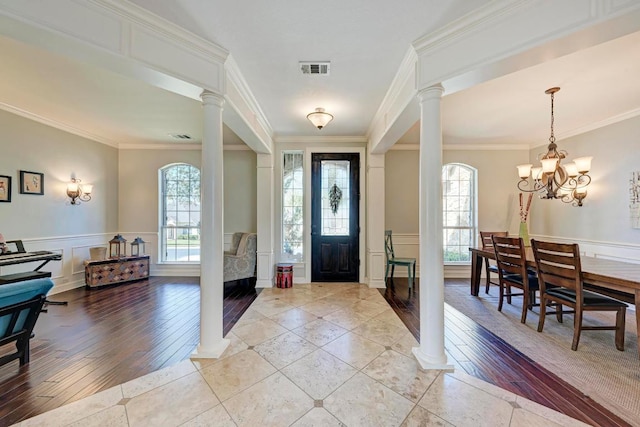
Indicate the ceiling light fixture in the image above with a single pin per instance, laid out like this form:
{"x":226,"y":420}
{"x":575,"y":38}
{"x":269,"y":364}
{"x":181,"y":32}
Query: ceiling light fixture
{"x":319,"y":118}
{"x":552,"y":179}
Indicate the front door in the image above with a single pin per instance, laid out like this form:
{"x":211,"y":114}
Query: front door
{"x":335,"y":224}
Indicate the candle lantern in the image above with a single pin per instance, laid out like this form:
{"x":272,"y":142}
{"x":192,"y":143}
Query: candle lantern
{"x":117,"y":247}
{"x":137,"y":247}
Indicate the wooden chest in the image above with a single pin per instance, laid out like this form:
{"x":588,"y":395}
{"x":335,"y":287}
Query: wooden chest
{"x":115,"y":271}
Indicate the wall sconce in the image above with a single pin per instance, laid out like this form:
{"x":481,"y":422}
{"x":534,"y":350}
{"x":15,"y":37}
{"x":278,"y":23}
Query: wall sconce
{"x":117,"y":247}
{"x":78,"y":192}
{"x":137,"y":247}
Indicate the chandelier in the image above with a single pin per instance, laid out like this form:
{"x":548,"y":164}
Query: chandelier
{"x":552,"y":179}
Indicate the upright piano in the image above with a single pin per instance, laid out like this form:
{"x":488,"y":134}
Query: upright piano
{"x":17,"y":255}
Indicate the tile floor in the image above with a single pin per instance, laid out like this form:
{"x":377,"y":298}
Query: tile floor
{"x":312,"y":355}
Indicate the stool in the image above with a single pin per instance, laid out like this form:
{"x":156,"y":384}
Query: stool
{"x":284,"y":275}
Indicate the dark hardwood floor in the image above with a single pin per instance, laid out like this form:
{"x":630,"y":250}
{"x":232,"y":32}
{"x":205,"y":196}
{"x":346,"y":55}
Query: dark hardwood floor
{"x":105,"y":337}
{"x":108,"y":336}
{"x":486,"y":356}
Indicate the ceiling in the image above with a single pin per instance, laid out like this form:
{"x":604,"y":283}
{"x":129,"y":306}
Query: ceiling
{"x":365,"y":41}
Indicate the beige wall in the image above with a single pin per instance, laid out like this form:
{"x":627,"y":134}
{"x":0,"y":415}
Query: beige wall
{"x":497,"y":180}
{"x":497,"y":192}
{"x":401,"y":179}
{"x":139,"y":198}
{"x":605,"y":214}
{"x":240,"y":191}
{"x":28,"y":145}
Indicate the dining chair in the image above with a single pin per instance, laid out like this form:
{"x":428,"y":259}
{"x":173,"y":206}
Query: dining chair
{"x":511,"y":261}
{"x":561,"y":282}
{"x":487,"y":243}
{"x":392,"y":261}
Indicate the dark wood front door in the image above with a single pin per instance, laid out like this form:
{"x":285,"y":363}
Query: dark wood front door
{"x":335,"y":224}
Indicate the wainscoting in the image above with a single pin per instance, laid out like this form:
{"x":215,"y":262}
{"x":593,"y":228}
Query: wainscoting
{"x":69,"y":272}
{"x":408,"y":246}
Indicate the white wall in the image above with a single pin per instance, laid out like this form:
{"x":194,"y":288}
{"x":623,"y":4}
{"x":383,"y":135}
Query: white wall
{"x":50,"y":222}
{"x":603,"y":223}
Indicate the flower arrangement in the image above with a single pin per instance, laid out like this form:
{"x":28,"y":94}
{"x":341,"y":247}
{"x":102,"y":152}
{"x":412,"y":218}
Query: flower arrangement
{"x":524,"y":214}
{"x":524,"y":211}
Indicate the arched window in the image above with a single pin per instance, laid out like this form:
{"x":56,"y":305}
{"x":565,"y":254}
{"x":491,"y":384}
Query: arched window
{"x":459,"y":211}
{"x":180,"y":213}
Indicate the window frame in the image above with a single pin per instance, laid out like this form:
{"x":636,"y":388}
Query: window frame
{"x":162,"y":217}
{"x":473,"y":204}
{"x":285,"y":256}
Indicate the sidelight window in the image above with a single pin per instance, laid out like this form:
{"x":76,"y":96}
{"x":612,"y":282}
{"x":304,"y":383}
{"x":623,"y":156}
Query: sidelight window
{"x":292,"y":205}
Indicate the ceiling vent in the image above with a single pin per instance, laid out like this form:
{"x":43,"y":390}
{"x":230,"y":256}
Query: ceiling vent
{"x":315,"y":68}
{"x":181,"y":136}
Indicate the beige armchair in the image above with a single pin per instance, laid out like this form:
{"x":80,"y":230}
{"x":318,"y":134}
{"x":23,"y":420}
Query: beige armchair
{"x":240,"y":259}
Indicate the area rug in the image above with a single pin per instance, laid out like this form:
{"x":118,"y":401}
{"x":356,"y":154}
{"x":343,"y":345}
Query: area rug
{"x":608,"y":376}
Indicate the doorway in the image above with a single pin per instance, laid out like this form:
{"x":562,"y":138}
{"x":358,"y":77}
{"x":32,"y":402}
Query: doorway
{"x":335,"y":217}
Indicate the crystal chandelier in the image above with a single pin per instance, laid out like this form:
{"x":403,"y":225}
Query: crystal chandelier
{"x":552,"y":179}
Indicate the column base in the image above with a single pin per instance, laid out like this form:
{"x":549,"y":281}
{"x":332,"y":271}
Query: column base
{"x":377,"y":284}
{"x":260,"y":283}
{"x":211,"y":353}
{"x":429,"y":364}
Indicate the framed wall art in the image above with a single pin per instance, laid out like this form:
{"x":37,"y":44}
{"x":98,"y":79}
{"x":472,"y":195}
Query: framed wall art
{"x":31,"y":183}
{"x":5,"y":189}
{"x":634,"y":199}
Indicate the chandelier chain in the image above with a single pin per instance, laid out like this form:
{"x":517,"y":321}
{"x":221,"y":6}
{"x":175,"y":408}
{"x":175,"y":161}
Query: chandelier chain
{"x":552,"y":138}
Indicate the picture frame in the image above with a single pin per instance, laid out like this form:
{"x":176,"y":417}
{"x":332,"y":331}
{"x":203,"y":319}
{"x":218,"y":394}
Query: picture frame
{"x":5,"y":189}
{"x":31,"y":183}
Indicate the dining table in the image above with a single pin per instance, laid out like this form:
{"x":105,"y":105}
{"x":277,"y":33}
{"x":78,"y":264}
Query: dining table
{"x":616,"y":279}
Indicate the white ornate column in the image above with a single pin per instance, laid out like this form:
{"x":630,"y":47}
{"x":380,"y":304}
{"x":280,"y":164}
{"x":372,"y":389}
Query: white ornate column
{"x":212,"y":343}
{"x":431,"y":353}
{"x":265,"y":219}
{"x":376,"y":260}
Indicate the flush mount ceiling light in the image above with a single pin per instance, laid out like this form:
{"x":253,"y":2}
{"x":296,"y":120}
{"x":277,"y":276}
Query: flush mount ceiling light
{"x":553,"y":180}
{"x":319,"y":118}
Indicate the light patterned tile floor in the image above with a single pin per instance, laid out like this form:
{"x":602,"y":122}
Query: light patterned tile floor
{"x":339,"y":358}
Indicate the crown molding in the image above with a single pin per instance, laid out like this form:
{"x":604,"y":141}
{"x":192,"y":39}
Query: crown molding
{"x":466,"y":24}
{"x":406,"y":71}
{"x":466,"y":147}
{"x":179,"y":146}
{"x":236,"y":147}
{"x":234,"y":75}
{"x":321,"y":139}
{"x":58,"y":125}
{"x":146,"y":19}
{"x":160,"y":146}
{"x":486,"y":147}
{"x":597,"y":125}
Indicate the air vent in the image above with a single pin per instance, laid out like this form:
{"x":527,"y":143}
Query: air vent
{"x":315,"y":68}
{"x":180,"y":136}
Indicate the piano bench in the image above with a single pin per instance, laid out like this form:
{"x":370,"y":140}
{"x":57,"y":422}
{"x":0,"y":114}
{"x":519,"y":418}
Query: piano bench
{"x":20,"y":305}
{"x":20,"y":277}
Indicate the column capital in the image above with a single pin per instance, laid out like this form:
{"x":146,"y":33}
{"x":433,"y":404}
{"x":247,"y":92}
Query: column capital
{"x":431,"y":92}
{"x":212,"y":98}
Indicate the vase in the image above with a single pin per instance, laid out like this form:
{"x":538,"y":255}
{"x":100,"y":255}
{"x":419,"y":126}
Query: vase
{"x":524,"y":233}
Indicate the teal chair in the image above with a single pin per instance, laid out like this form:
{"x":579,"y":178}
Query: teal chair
{"x":392,"y":261}
{"x":20,"y":306}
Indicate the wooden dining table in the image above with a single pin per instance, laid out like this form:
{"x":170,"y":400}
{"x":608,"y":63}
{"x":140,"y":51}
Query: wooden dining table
{"x":617,"y":279}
